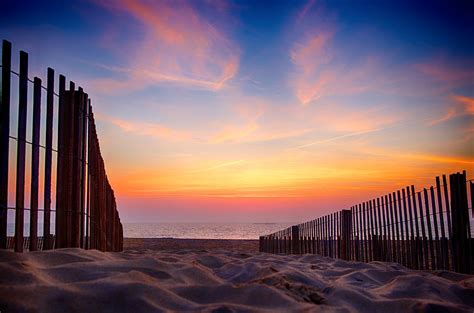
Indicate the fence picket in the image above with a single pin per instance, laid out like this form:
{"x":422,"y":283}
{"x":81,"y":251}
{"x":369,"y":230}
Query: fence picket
{"x":4,"y":139}
{"x":33,"y":244}
{"x":47,"y":240}
{"x":72,"y":183}
{"x":21,"y":147}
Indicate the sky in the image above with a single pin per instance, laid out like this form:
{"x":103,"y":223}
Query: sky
{"x":261,"y":111}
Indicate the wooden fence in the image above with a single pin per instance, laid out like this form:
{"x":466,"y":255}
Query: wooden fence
{"x":428,"y":229}
{"x":85,"y":213}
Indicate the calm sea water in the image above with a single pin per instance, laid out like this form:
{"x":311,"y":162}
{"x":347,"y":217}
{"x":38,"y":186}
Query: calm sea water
{"x":191,"y":230}
{"x":184,"y":230}
{"x":201,"y":230}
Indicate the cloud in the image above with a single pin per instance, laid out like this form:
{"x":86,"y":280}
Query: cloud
{"x":150,"y":130}
{"x":320,"y":71}
{"x":343,"y":118}
{"x":177,"y":46}
{"x":337,"y":138}
{"x":458,"y":105}
{"x":255,"y":122}
{"x":446,"y":75}
{"x":305,"y":10}
{"x":311,"y":80}
{"x":226,"y":164}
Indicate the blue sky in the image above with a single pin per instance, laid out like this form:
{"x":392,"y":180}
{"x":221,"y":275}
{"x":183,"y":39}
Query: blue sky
{"x":207,"y":109}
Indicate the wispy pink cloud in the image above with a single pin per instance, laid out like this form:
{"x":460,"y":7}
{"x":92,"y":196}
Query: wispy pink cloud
{"x":447,"y":74}
{"x":457,"y":105}
{"x":339,"y":118}
{"x":305,"y":10}
{"x":327,"y":140}
{"x":311,"y":80}
{"x":150,"y":130}
{"x":318,"y":72}
{"x":179,"y":46}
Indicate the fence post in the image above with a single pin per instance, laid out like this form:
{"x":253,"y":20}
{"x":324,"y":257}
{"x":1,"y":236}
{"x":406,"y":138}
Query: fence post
{"x":48,"y":161}
{"x":35,"y":165}
{"x":20,"y":165}
{"x":295,"y":239}
{"x":346,"y":230}
{"x":460,"y":218}
{"x":4,"y":139}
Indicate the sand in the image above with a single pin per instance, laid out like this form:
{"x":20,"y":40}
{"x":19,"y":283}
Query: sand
{"x":208,"y":277}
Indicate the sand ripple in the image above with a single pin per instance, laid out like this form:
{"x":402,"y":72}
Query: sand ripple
{"x":73,"y":280}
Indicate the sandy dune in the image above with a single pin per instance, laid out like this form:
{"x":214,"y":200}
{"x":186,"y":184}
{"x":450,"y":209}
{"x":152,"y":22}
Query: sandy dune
{"x":190,"y":280}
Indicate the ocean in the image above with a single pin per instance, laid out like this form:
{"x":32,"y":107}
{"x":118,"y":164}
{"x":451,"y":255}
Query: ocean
{"x":184,"y":230}
{"x":201,"y":230}
{"x":191,"y":230}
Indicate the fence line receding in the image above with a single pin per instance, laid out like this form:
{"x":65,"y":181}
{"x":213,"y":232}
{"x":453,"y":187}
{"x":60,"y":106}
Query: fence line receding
{"x":427,"y":230}
{"x":82,"y":205}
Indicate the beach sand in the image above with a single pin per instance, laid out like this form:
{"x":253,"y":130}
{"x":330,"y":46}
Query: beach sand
{"x":155,"y":275}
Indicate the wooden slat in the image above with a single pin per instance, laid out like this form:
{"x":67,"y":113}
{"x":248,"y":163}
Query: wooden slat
{"x":419,"y":255}
{"x":4,"y":139}
{"x":407,"y":242}
{"x":460,"y":217}
{"x":20,"y":169}
{"x":371,"y":230}
{"x":413,"y":250}
{"x":440,"y":207}
{"x":443,"y":239}
{"x":390,"y":227}
{"x":47,"y":242}
{"x":402,"y":232}
{"x":397,"y":229}
{"x":325,"y":235}
{"x":425,"y":263}
{"x":84,"y":137}
{"x":321,"y":235}
{"x":35,"y":164}
{"x":77,"y":116}
{"x":358,"y":232}
{"x":430,"y":233}
{"x":366,"y":225}
{"x":385,"y":230}
{"x":379,"y":230}
{"x":295,"y":244}
{"x":438,"y":259}
{"x":60,"y":183}
{"x":471,"y":184}
{"x":316,"y":236}
{"x":88,"y":181}
{"x":361,"y":232}
{"x":448,"y":218}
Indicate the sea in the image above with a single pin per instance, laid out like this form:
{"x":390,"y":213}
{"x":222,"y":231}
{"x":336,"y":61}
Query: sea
{"x":185,"y":230}
{"x":192,"y":230}
{"x":201,"y":230}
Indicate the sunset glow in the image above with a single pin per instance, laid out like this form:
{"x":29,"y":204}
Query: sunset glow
{"x":241,"y":111}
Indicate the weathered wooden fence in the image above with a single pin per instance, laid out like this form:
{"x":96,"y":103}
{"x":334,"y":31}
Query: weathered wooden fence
{"x":85,"y":213}
{"x":428,"y":229}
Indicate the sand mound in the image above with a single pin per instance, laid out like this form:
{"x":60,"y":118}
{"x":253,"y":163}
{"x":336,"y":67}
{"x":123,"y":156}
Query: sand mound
{"x":74,"y":280}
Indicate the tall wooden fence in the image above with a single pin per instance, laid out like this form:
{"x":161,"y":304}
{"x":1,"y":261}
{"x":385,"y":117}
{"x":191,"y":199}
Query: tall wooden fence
{"x":428,"y":229}
{"x":85,"y":213}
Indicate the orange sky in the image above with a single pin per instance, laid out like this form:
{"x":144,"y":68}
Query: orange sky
{"x":250,"y":111}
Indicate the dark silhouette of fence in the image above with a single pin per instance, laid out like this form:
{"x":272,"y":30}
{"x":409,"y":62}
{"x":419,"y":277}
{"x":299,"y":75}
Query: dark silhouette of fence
{"x":85,"y":211}
{"x":428,"y":230}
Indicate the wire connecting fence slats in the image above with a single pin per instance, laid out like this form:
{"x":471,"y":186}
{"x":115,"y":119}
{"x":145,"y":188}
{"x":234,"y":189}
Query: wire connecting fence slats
{"x":426,"y":230}
{"x":85,"y":212}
